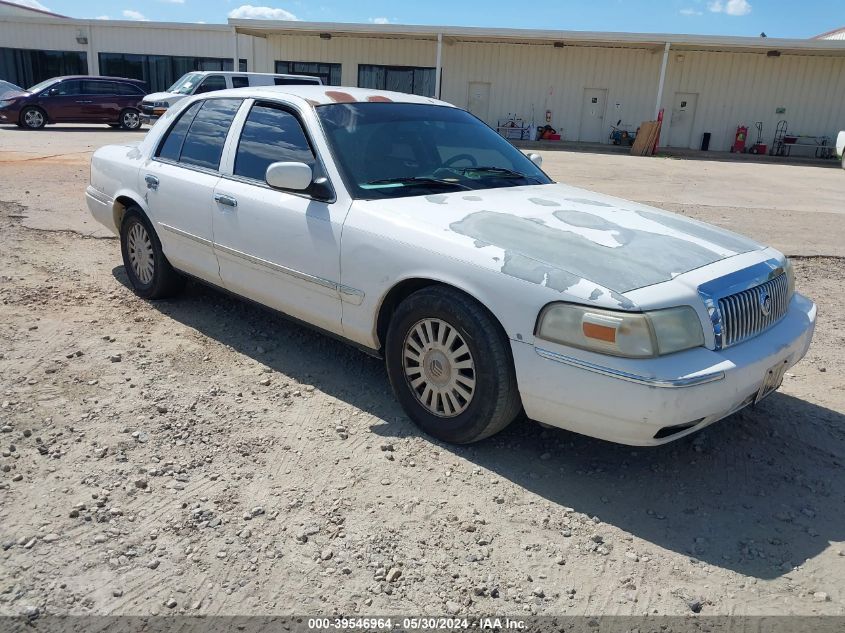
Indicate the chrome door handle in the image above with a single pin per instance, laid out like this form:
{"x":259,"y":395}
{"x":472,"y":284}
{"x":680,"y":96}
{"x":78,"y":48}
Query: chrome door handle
{"x":152,"y":182}
{"x":228,"y":201}
{"x":85,"y":102}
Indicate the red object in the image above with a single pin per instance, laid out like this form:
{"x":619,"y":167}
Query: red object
{"x":759,"y":148}
{"x":740,"y":138}
{"x":554,"y":137}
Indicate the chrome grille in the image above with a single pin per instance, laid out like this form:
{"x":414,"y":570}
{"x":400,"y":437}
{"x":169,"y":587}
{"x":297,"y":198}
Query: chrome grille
{"x":743,"y":313}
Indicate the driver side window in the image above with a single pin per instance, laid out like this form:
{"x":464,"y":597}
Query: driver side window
{"x":270,"y":135}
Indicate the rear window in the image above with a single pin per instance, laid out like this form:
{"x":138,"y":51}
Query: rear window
{"x":203,"y":144}
{"x":172,"y":145}
{"x":240,"y":82}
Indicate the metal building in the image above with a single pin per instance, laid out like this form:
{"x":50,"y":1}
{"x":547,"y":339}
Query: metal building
{"x":580,"y":82}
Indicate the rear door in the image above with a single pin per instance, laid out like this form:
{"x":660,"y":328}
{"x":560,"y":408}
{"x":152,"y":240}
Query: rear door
{"x":100,"y":101}
{"x":179,"y":182}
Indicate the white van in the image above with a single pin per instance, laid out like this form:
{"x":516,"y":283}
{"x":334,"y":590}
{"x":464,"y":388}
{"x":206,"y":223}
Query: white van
{"x":197,"y":82}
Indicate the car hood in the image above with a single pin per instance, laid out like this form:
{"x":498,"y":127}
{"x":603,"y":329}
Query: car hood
{"x":163,"y":96}
{"x":14,"y":94}
{"x":559,"y":236}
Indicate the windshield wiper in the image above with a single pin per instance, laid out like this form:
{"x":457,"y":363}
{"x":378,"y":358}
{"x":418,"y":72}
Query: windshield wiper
{"x":418,"y":180}
{"x":499,"y":171}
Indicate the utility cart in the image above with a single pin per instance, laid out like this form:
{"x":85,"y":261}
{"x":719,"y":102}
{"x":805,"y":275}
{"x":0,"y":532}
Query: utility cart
{"x":783,"y":142}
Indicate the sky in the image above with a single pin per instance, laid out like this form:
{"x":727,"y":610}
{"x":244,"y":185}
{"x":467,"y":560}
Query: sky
{"x":777,"y":18}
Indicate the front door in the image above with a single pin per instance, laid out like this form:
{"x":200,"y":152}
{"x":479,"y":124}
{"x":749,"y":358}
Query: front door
{"x":64,"y":101}
{"x":683,"y":117}
{"x":179,"y":183}
{"x":592,"y":116}
{"x":279,"y":248}
{"x":478,"y":99}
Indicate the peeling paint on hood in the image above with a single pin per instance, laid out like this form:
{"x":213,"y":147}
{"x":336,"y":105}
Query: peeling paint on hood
{"x":561,"y":237}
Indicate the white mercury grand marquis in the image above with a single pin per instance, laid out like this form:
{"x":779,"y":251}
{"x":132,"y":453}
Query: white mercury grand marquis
{"x":409,"y":228}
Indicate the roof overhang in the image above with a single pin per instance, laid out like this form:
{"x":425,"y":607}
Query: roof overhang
{"x":263,"y":28}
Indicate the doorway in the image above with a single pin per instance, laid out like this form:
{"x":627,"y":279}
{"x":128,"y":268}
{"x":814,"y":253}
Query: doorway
{"x":683,"y":117}
{"x":592,"y":115}
{"x":478,"y":99}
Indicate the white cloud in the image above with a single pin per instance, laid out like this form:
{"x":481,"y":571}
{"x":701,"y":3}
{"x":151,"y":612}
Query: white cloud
{"x":130,"y":14}
{"x":690,"y":12}
{"x":32,"y":4}
{"x":249,"y":12}
{"x":730,"y":7}
{"x":380,"y":20}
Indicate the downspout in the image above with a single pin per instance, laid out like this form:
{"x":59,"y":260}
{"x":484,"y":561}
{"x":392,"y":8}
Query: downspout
{"x":662,"y":80}
{"x":235,"y":61}
{"x":438,"y":65}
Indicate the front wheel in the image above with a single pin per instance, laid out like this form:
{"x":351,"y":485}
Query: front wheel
{"x":130,"y":119}
{"x":149,"y":272}
{"x":450,"y":366}
{"x":33,"y":118}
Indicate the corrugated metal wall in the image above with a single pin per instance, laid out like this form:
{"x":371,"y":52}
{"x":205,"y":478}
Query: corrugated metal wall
{"x":741,"y":88}
{"x":527,"y":80}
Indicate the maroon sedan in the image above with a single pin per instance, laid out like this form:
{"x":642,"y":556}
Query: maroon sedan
{"x":111,"y":100}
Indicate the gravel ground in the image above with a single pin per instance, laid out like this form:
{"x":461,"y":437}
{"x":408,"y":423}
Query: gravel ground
{"x":205,"y":456}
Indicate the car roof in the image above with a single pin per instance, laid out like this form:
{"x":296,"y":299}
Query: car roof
{"x":228,"y":73}
{"x":325,"y":95}
{"x":100,"y":78}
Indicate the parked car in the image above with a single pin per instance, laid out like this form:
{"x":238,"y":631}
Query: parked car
{"x":411,"y":229}
{"x":77,"y":99}
{"x":200,"y":82}
{"x":840,"y":147}
{"x":7,"y":86}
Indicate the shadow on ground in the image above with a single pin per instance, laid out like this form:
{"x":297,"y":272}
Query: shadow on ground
{"x":758,"y":493}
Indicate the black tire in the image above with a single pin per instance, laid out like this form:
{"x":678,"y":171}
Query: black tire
{"x":114,"y":126}
{"x":162,"y":281}
{"x":33,"y":118}
{"x":130,"y":119}
{"x":495,"y":402}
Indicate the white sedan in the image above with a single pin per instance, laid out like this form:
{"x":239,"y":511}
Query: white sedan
{"x":409,"y":228}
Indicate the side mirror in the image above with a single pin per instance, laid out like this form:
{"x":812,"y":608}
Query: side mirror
{"x":53,"y":92}
{"x":535,"y":158}
{"x":293,"y":176}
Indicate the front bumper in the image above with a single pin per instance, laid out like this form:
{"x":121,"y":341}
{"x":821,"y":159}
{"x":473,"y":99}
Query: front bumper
{"x":150,"y":113}
{"x":9,"y":115}
{"x":630,"y":401}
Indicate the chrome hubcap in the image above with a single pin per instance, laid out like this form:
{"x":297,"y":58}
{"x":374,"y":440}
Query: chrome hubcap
{"x":131,"y":119}
{"x":139,"y":247}
{"x":439,"y":367}
{"x":33,"y":118}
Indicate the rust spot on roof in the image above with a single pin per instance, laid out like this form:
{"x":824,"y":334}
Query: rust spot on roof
{"x":380,"y":99}
{"x":313,"y":102}
{"x":340,"y":97}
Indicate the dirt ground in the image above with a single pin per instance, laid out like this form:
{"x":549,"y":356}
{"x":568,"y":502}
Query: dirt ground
{"x":205,"y":456}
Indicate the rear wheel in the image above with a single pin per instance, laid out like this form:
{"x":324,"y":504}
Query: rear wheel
{"x":130,"y":119}
{"x":149,"y":272}
{"x":33,"y":118}
{"x":450,"y":366}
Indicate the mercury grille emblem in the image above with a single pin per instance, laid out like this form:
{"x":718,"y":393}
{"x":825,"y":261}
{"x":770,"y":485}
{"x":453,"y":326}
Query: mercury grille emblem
{"x":435,"y":368}
{"x":765,"y":303}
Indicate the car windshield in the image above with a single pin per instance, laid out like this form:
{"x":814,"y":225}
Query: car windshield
{"x":42,"y":85}
{"x":393,"y":150}
{"x":186,"y":84}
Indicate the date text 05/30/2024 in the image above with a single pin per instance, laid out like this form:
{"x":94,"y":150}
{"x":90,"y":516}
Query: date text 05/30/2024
{"x":415,"y":624}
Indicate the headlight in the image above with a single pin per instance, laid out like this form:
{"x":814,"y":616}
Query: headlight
{"x":790,"y":278}
{"x":628,"y":334}
{"x":6,"y":103}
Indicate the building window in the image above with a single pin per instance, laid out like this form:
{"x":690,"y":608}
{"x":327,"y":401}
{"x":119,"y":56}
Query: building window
{"x":328,"y":73}
{"x":410,"y":79}
{"x":160,"y":71}
{"x":25,"y":67}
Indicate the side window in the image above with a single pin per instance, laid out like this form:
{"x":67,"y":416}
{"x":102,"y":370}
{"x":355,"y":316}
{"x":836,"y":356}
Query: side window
{"x":294,"y":81}
{"x":240,"y":82}
{"x":211,"y":83}
{"x":204,"y":142}
{"x":270,"y":135}
{"x":99,"y":88}
{"x":172,"y":145}
{"x":67,"y":88}
{"x":129,"y":90}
